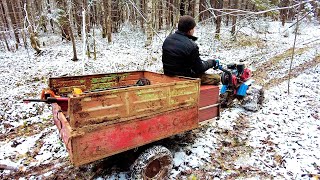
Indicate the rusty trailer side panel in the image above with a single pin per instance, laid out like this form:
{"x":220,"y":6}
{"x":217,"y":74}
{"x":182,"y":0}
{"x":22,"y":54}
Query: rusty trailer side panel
{"x":90,"y":145}
{"x":123,"y":104}
{"x":130,"y":103}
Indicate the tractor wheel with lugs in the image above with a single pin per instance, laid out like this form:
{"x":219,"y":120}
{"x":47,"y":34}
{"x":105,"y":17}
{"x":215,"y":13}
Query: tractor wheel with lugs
{"x":154,"y":163}
{"x":254,"y":99}
{"x":226,"y":99}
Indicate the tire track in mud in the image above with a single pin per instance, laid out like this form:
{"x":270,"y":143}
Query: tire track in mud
{"x":261,"y":73}
{"x":294,"y":72}
{"x":225,"y":161}
{"x":232,"y":144}
{"x":231,"y":151}
{"x":234,"y":149}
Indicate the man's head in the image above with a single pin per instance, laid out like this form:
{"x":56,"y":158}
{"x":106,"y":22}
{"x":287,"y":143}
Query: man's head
{"x":186,"y":24}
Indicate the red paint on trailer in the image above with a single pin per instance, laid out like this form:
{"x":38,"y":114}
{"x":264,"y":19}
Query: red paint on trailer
{"x":112,"y":139}
{"x":209,"y":102}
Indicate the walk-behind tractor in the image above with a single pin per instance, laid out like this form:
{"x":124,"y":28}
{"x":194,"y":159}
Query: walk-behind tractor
{"x":237,"y":84}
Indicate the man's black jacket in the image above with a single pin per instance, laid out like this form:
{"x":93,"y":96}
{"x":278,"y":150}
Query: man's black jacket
{"x":180,"y":56}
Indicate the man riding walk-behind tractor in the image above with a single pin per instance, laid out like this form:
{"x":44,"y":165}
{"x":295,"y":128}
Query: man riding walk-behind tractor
{"x":181,"y":58}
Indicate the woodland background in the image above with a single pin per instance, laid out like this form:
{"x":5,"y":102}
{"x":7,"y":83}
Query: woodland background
{"x":23,"y":21}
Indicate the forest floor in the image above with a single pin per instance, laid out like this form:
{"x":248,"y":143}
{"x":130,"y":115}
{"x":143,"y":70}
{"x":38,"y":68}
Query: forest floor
{"x":280,"y":141}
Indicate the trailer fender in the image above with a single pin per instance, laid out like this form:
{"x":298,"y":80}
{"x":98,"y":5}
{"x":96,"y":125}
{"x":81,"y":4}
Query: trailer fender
{"x":242,"y":91}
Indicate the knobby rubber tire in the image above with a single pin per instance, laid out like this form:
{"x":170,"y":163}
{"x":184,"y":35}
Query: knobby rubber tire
{"x":158,"y":156}
{"x":254,"y":99}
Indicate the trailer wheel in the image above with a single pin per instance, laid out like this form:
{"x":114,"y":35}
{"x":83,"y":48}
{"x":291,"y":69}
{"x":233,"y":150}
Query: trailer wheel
{"x":154,"y":163}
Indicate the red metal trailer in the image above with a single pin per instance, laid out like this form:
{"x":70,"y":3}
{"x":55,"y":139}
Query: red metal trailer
{"x":113,"y":115}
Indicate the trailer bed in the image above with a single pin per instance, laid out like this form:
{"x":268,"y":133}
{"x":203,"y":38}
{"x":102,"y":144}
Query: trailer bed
{"x":107,"y":120}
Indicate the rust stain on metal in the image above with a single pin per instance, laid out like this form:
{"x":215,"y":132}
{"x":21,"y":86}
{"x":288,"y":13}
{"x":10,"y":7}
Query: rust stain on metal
{"x":76,"y":106}
{"x":84,"y":115}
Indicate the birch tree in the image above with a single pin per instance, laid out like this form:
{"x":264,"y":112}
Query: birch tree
{"x":10,"y":11}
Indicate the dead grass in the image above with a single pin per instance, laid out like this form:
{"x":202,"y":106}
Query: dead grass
{"x":244,"y":41}
{"x":234,"y":146}
{"x":260,"y":75}
{"x":294,"y":73}
{"x":26,"y":129}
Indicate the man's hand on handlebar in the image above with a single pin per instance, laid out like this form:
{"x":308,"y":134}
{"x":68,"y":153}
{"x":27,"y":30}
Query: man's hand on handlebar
{"x":217,"y":64}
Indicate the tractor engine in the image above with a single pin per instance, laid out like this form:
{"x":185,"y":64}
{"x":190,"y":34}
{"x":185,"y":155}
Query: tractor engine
{"x":236,"y":76}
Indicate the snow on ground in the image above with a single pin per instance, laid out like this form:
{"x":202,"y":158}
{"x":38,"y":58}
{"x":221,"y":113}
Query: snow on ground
{"x":279,"y":141}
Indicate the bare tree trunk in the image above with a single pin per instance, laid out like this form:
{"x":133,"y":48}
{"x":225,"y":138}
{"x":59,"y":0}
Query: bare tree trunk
{"x":176,"y":12}
{"x":234,"y":18}
{"x":74,"y":49}
{"x":137,"y":15}
{"x":164,"y":12}
{"x":153,"y":13}
{"x":5,"y":41}
{"x":139,"y":18}
{"x":94,"y":44}
{"x":24,"y":38}
{"x":10,"y":10}
{"x":104,"y":19}
{"x":184,"y":7}
{"x":18,"y":6}
{"x":155,"y":19}
{"x":143,"y":10}
{"x":149,"y":22}
{"x":75,"y":58}
{"x":109,"y":21}
{"x":228,"y":16}
{"x":284,"y":12}
{"x":70,"y":13}
{"x":196,"y":10}
{"x":169,"y":17}
{"x":159,"y":14}
{"x":77,"y":12}
{"x":218,"y":5}
{"x":3,"y":17}
{"x":30,"y":12}
{"x":49,"y":12}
